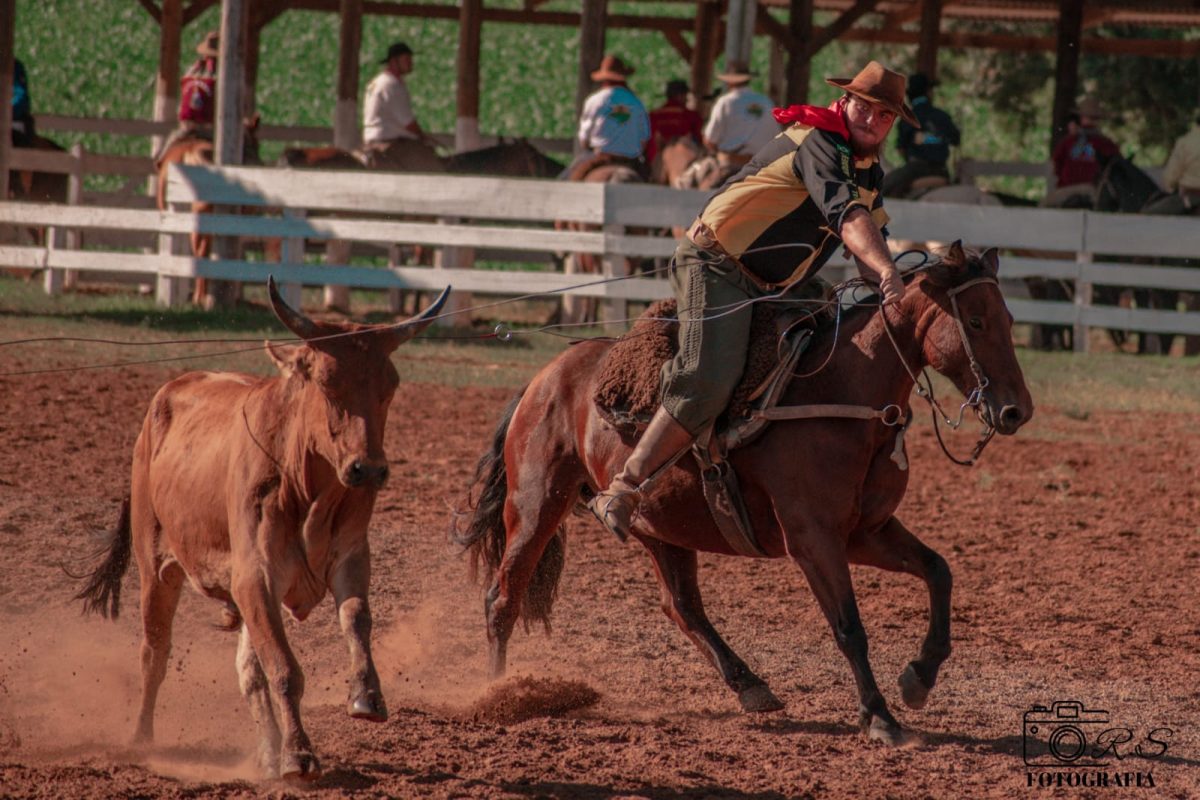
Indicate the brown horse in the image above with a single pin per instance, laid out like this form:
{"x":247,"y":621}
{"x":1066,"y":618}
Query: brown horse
{"x":822,"y":492}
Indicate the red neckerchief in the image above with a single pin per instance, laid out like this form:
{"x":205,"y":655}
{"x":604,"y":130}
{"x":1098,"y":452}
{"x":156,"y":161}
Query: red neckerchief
{"x":827,"y":119}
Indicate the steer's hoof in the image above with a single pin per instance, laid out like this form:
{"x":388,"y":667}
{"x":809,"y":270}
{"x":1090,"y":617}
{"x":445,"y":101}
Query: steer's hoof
{"x":913,"y":690}
{"x":759,"y":700}
{"x":369,"y":706}
{"x":891,"y":734}
{"x":299,"y":765}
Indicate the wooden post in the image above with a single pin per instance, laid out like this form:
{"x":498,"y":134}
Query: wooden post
{"x":613,"y":312}
{"x":74,"y":238}
{"x":1066,"y":69}
{"x":291,"y":253}
{"x":229,"y":133}
{"x":739,"y":33}
{"x":777,"y":72}
{"x":166,"y":84}
{"x":704,"y":52}
{"x":592,"y":21}
{"x":345,"y":113}
{"x":1083,"y":301}
{"x":250,"y":53}
{"x":927,"y":41}
{"x":799,"y":66}
{"x":8,"y":21}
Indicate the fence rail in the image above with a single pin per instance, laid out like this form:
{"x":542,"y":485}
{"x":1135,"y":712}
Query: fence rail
{"x":461,"y":213}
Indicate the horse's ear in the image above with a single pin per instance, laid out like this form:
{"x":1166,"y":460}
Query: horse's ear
{"x":955,"y":257}
{"x":991,"y":260}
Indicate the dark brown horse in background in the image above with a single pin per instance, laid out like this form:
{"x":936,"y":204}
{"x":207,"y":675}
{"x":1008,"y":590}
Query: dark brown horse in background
{"x":33,"y":186}
{"x":822,"y":492}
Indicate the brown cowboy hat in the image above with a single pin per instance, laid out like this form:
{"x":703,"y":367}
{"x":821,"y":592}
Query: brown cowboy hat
{"x":735,"y":73}
{"x":210,"y":45}
{"x":612,"y":68}
{"x":880,"y":85}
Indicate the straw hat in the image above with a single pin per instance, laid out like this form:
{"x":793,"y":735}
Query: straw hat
{"x":210,"y":45}
{"x":612,"y":68}
{"x":735,"y":73}
{"x":880,"y":85}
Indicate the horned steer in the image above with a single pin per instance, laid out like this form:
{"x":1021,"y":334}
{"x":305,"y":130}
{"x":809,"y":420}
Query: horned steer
{"x":258,"y":492}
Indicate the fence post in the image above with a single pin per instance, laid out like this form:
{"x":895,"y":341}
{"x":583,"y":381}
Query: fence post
{"x":1083,"y":301}
{"x":395,"y":296}
{"x":74,"y":198}
{"x":291,"y":251}
{"x":613,"y":311}
{"x":337,"y":297}
{"x":169,"y":290}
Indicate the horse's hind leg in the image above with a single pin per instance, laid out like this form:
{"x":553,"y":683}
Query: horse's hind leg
{"x":681,"y":602}
{"x":253,"y":683}
{"x":893,"y":547}
{"x":160,"y":597}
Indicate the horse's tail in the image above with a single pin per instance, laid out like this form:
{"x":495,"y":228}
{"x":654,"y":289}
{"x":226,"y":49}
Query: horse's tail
{"x":484,"y":535}
{"x":102,"y":594}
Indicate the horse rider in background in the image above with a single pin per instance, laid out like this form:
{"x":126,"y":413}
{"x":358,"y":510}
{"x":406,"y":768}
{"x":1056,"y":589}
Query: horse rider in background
{"x":613,"y":126}
{"x":22,"y":108}
{"x":197,"y":96}
{"x":811,"y":191}
{"x":673,"y":120}
{"x":740,"y":122}
{"x":1181,"y":176}
{"x":1076,"y":156}
{"x":390,"y":128}
{"x":925,"y":147}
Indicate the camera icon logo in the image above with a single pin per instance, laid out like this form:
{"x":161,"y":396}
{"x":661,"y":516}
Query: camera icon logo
{"x":1058,"y":736}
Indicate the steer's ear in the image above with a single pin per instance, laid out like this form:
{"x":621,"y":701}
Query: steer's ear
{"x":401,"y":332}
{"x":289,"y":358}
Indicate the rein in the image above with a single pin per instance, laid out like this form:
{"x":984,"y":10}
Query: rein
{"x":924,"y":385}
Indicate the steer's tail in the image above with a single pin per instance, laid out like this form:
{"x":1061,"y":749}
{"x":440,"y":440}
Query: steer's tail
{"x":485,"y":537}
{"x":102,"y":594}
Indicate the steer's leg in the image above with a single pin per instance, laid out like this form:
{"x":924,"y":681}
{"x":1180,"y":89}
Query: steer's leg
{"x":264,"y":625}
{"x":351,"y":580}
{"x":253,"y":683}
{"x":160,"y":598}
{"x":893,"y":547}
{"x":681,"y":602}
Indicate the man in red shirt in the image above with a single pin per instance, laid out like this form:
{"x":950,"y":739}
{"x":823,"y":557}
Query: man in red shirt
{"x":1076,"y":156}
{"x":197,"y":95}
{"x":672,"y":120}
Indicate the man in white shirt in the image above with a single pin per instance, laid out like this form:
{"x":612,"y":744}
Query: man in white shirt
{"x":391,"y":132}
{"x":740,"y":122}
{"x":614,"y":123}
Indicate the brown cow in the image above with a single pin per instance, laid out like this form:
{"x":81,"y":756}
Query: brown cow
{"x":257,"y":492}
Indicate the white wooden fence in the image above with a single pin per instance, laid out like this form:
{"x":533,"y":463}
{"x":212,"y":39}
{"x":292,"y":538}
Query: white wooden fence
{"x":517,"y":215}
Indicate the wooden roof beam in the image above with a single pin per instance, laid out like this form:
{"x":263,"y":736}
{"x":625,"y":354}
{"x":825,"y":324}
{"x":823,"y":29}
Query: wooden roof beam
{"x":152,"y":10}
{"x":676,"y":40}
{"x":1166,"y":48}
{"x":839,"y":26}
{"x":198,"y":7}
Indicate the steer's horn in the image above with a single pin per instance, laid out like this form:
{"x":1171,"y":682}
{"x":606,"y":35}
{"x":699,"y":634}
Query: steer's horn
{"x":403,"y":331}
{"x":293,"y":320}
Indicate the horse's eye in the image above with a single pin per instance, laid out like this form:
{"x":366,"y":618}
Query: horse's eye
{"x":976,"y":323}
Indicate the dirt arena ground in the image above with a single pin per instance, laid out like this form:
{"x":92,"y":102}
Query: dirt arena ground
{"x":1075,"y":549}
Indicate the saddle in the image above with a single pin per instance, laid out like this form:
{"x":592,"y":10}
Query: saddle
{"x":582,"y":169}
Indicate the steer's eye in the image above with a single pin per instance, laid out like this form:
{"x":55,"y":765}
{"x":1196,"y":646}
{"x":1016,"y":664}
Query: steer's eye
{"x":976,"y":323}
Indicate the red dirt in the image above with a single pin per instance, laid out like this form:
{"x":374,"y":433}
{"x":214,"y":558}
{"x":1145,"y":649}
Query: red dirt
{"x":1074,"y":546}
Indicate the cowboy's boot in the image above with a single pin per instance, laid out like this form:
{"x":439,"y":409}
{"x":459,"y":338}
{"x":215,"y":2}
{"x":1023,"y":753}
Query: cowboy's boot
{"x":663,"y":442}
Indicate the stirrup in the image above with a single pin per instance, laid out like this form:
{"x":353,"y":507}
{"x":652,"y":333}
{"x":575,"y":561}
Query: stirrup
{"x":602,"y":507}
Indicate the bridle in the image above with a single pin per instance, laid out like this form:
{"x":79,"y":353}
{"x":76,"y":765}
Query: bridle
{"x":924,"y":386}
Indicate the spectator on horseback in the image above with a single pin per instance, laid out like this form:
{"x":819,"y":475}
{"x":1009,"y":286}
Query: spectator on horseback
{"x":1181,"y":176}
{"x":388,"y":117}
{"x":1077,"y":155}
{"x":614,"y":126}
{"x":810,"y":191}
{"x":197,"y":95}
{"x":673,"y":120}
{"x":22,"y":107}
{"x":925,"y":147}
{"x":740,"y":122}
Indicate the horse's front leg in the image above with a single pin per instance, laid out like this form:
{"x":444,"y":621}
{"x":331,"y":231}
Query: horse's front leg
{"x":893,"y":547}
{"x":823,"y":559}
{"x":351,"y":580}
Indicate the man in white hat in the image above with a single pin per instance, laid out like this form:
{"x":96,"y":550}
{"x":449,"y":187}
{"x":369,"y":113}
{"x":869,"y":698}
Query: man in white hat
{"x":613,"y":125}
{"x":740,"y":122}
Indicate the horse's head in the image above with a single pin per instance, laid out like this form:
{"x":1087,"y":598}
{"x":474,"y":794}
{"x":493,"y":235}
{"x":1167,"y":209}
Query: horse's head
{"x":966,"y":334}
{"x":1121,"y":187}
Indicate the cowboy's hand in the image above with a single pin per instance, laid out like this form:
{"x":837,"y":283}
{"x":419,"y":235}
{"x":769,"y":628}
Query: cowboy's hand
{"x":891,"y":285}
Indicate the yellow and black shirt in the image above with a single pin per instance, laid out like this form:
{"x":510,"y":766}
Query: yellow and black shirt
{"x":796,"y":189}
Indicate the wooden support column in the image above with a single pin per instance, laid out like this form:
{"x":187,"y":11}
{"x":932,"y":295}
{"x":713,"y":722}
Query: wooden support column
{"x":250,"y":53}
{"x":166,"y":84}
{"x":8,"y":21}
{"x":345,"y":114}
{"x":1066,"y":69}
{"x":799,"y":65}
{"x":927,"y":44}
{"x":229,"y":133}
{"x":704,"y":51}
{"x":592,"y":21}
{"x":739,"y":34}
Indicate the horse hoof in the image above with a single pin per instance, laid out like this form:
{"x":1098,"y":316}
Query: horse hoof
{"x":891,"y":734}
{"x":299,"y":765}
{"x":913,"y":690}
{"x":369,"y":706}
{"x":759,"y":700}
